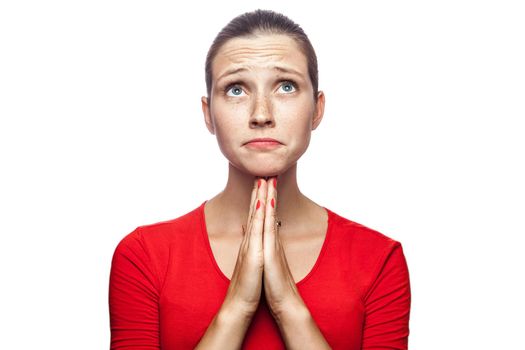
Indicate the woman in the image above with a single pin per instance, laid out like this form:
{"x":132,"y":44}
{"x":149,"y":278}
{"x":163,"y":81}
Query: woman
{"x":260,"y":265}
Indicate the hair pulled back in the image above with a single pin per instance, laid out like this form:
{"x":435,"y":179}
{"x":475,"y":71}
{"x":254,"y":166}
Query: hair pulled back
{"x":263,"y":22}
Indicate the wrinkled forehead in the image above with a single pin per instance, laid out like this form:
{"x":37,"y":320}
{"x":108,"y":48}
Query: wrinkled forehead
{"x":257,"y":53}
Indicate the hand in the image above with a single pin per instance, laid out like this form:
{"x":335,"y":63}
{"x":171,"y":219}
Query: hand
{"x":245,"y":287}
{"x":280,"y":290}
{"x":262,"y":255}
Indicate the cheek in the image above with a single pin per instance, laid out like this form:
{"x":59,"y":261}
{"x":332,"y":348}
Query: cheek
{"x":302,"y":106}
{"x":228,"y":122}
{"x":300,"y":126}
{"x":228,"y":112}
{"x":297,"y":117}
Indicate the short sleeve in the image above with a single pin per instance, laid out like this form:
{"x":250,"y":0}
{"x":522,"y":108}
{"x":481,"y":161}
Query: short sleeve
{"x":387,"y":304}
{"x":133,"y":297}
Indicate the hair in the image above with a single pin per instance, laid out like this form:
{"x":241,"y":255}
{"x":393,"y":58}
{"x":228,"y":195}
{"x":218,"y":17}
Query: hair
{"x":263,"y":22}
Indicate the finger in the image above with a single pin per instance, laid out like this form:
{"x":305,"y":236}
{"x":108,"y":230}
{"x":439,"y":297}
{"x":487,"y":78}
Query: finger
{"x":270,"y":217}
{"x":271,"y":198}
{"x":257,"y":222}
{"x":253,"y":200}
{"x":249,"y":224}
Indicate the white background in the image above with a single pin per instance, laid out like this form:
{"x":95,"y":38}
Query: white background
{"x":423,"y":139}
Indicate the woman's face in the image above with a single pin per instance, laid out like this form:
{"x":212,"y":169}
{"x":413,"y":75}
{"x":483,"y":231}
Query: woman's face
{"x":261,"y":89}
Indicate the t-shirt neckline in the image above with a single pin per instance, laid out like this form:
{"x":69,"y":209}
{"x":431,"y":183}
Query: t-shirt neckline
{"x":207,"y":243}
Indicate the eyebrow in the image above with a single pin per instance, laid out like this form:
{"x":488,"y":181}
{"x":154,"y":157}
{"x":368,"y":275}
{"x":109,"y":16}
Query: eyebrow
{"x":278,"y":68}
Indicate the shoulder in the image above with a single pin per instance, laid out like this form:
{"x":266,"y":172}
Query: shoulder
{"x":155,"y":238}
{"x":144,"y":253}
{"x":163,"y":232}
{"x":366,"y":249}
{"x":360,"y":235}
{"x":371,"y":254}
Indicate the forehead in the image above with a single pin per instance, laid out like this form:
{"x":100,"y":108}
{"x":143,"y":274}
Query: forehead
{"x":259,"y":52}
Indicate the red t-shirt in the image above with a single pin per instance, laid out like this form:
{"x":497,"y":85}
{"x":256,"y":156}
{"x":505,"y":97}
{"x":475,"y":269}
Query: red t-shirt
{"x":166,"y":287}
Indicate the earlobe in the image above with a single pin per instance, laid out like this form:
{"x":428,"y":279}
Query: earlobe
{"x":319,"y":110}
{"x":207,"y":114}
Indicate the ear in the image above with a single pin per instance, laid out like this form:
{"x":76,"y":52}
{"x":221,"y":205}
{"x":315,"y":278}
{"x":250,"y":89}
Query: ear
{"x":319,"y":110}
{"x":207,"y":114}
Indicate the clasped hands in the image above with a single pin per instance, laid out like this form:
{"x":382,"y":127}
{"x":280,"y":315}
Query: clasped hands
{"x":261,"y":263}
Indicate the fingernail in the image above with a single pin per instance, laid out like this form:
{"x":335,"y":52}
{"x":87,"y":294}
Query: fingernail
{"x":258,"y":183}
{"x":258,"y":204}
{"x":273,"y":205}
{"x":275,"y":182}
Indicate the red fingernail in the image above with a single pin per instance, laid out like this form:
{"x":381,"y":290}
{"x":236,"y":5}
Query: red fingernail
{"x":258,"y":183}
{"x":258,"y":204}
{"x":275,"y":183}
{"x":273,"y":206}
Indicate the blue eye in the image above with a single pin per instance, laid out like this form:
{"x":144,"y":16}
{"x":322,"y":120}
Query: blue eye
{"x":236,"y":90}
{"x":288,"y":86}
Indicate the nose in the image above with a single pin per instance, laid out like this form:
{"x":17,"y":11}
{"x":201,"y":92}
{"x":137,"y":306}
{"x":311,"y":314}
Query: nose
{"x":262,"y":113}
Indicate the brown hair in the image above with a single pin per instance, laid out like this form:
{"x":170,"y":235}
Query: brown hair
{"x":263,"y":21}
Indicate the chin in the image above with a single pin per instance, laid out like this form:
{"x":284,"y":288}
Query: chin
{"x":263,"y":172}
{"x":261,"y":169}
{"x":266,"y":170}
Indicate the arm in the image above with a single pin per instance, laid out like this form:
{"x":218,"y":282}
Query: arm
{"x":387,"y":305}
{"x":133,"y":297}
{"x":296,"y":325}
{"x":299,"y":330}
{"x":134,"y":305}
{"x":227,"y":329}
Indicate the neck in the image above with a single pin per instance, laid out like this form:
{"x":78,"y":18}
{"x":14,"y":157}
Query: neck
{"x":233,"y":203}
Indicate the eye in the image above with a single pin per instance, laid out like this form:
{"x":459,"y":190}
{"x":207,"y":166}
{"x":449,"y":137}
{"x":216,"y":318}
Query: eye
{"x":234,"y":90}
{"x":288,"y":86}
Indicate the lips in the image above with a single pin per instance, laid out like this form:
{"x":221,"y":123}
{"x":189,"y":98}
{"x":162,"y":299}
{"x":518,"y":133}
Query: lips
{"x":263,"y":144}
{"x":263,"y":140}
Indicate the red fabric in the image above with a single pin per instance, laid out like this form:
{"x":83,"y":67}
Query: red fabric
{"x":165,"y":288}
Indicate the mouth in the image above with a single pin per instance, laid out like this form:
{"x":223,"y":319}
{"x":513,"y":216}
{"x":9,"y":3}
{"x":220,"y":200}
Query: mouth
{"x":263,"y":143}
